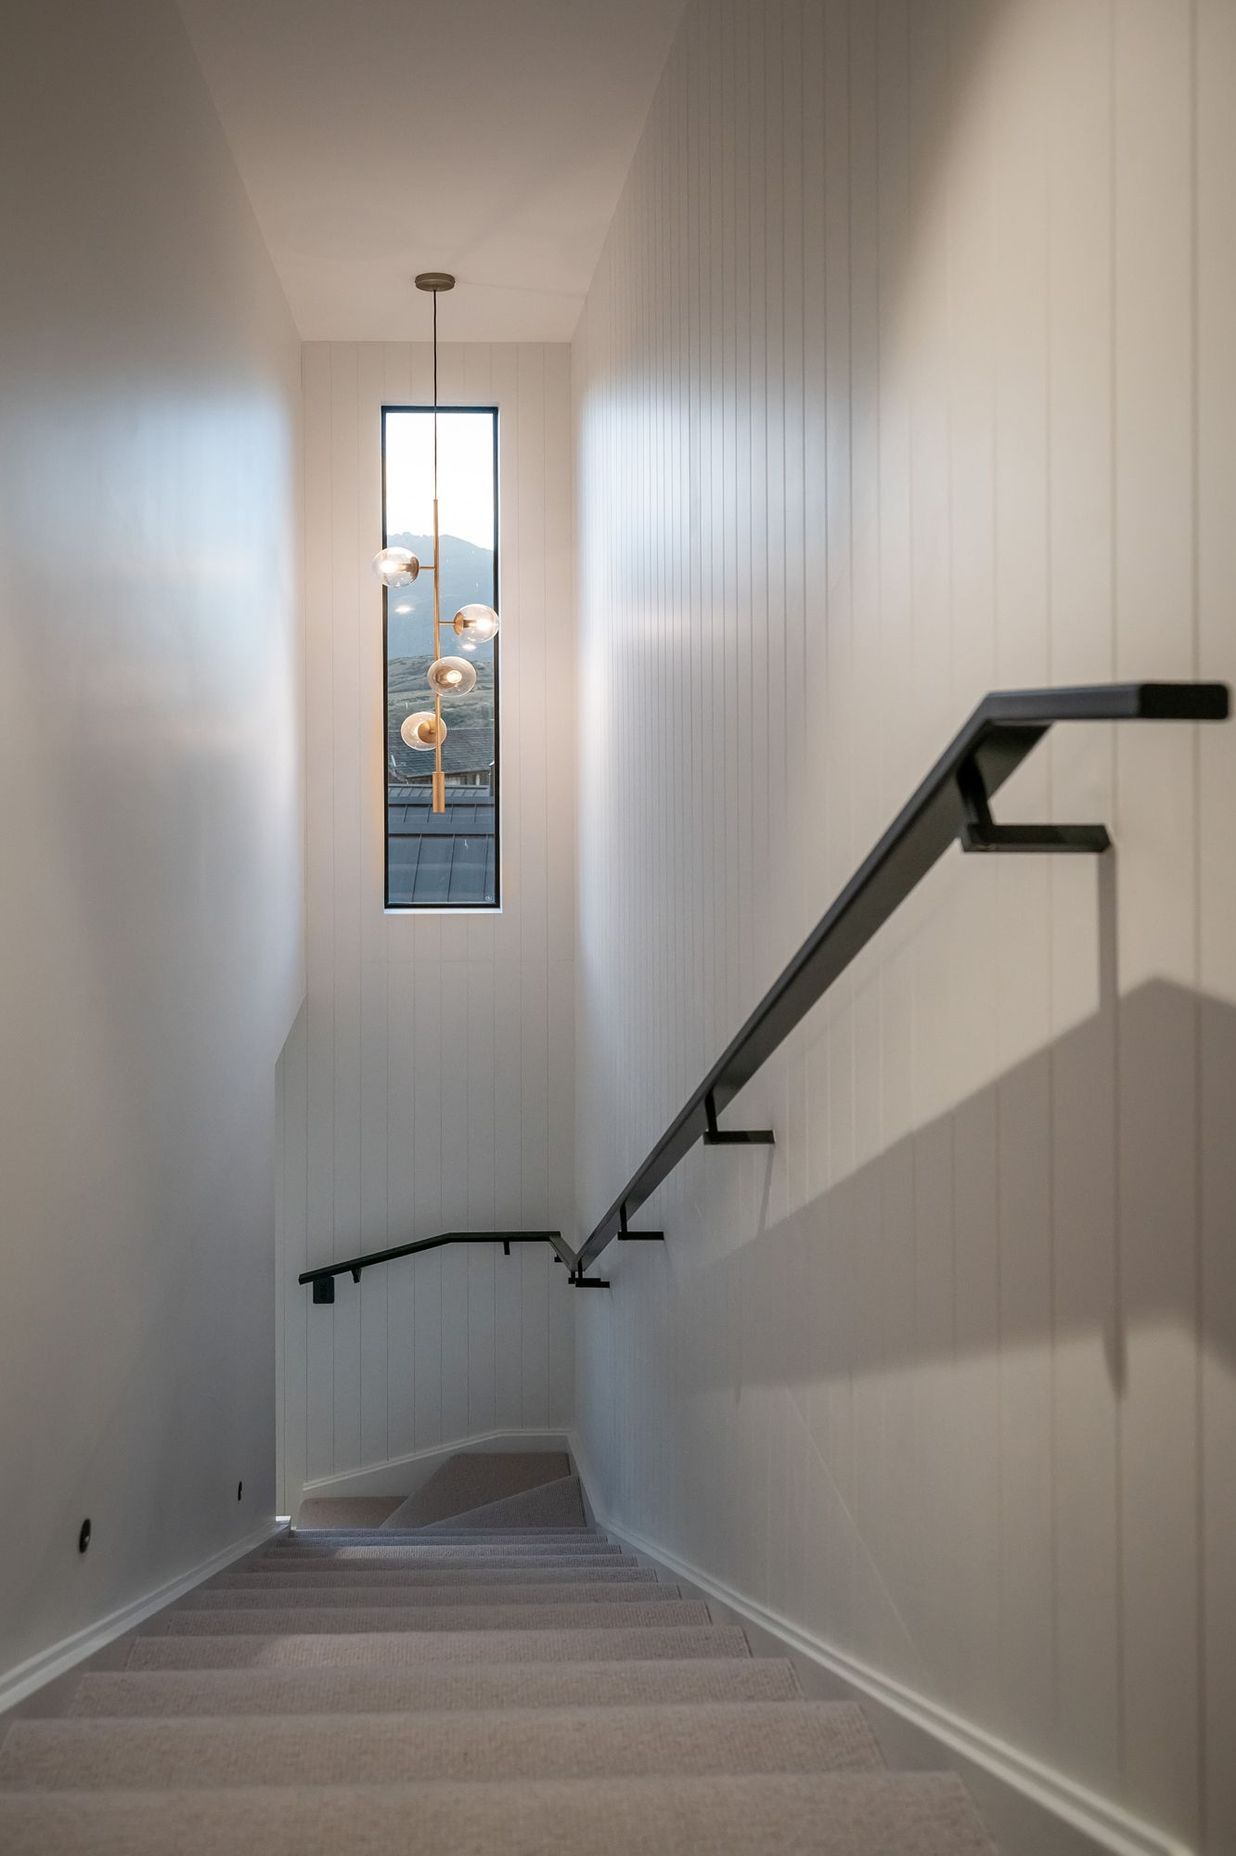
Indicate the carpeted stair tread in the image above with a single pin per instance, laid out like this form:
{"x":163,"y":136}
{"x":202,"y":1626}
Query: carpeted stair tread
{"x":428,"y":1552}
{"x":473,"y":1478}
{"x":407,"y":1565}
{"x":425,"y":1545}
{"x":447,"y":1534}
{"x":178,"y":1622}
{"x":340,"y":1578}
{"x":155,"y":1693}
{"x":553,"y":1743}
{"x":553,"y":1504}
{"x":574,"y":1534}
{"x":546,"y":1644}
{"x":369,"y":1596}
{"x":837,"y":1814}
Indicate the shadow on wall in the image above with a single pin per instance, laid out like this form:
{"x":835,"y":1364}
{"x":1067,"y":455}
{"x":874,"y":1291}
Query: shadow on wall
{"x":965,"y":1415}
{"x":977,"y":1234}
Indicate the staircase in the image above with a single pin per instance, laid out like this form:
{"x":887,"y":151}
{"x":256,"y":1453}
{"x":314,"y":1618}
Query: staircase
{"x":521,"y":1688}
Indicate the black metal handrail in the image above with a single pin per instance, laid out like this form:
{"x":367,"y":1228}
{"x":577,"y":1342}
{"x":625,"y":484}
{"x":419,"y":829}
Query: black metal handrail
{"x":323,"y":1279}
{"x":951,"y":803}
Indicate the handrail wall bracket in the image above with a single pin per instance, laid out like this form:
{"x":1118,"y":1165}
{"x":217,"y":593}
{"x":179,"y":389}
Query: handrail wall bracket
{"x":732,"y":1137}
{"x":627,"y":1236}
{"x":978,"y":831}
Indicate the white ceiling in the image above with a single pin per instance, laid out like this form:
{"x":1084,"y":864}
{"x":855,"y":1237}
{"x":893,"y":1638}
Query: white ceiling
{"x":378,"y":138}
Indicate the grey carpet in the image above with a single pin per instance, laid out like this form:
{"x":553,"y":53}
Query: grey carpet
{"x":474,"y":1478}
{"x":428,"y":1551}
{"x":554,"y":1504}
{"x":338,"y":1578}
{"x":480,"y":1539}
{"x":292,"y":1650}
{"x":555,"y":1743}
{"x":490,"y":1694}
{"x":450,"y":1534}
{"x":580,"y":1592}
{"x":836,"y":1814}
{"x":447,"y":1533}
{"x":382,"y":1688}
{"x":347,"y":1510}
{"x":385,"y":1560}
{"x":271,"y":1620}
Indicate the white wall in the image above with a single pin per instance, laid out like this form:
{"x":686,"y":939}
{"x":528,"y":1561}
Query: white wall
{"x":151,"y":954}
{"x":907,"y":373}
{"x":419,"y":1026}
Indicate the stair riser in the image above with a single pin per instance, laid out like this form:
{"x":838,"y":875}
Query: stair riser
{"x":294,"y":1650}
{"x":431,"y":1552}
{"x":343,"y":1578}
{"x":564,"y":1743}
{"x":431,"y":1687}
{"x":836,"y":1814}
{"x":575,"y":1536}
{"x":429,"y":1597}
{"x":438,"y":1545}
{"x":360,"y":1558}
{"x":474,"y":1536}
{"x":179,"y":1622}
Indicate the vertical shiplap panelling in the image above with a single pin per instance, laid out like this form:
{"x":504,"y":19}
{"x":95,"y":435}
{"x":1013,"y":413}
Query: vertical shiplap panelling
{"x":533,"y":824}
{"x":1156,"y":888}
{"x":374,"y":1205}
{"x":923,"y":324}
{"x":432,"y":1084}
{"x":562,"y":700}
{"x":319,"y":907}
{"x":818,"y":1492}
{"x":345,"y":825}
{"x":969,"y":1053}
{"x":1023,"y":58}
{"x":792,"y":1105}
{"x":1215,"y":78}
{"x":907,"y":408}
{"x":1085,"y":1475}
{"x":890,"y":1254}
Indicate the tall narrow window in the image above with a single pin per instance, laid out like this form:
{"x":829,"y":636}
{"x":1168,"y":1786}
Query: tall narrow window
{"x":445,"y":860}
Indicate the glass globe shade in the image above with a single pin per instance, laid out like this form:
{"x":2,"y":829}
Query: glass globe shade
{"x":451,"y":676}
{"x":396,"y":566}
{"x":475,"y":625}
{"x":423,"y":731}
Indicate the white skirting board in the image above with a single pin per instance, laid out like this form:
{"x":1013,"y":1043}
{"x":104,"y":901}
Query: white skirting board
{"x":1031,"y":1809}
{"x":27,"y":1678}
{"x":403,"y":1475}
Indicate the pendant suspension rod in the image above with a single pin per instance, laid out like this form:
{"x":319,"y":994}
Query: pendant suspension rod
{"x":439,"y":782}
{"x":435,"y":396}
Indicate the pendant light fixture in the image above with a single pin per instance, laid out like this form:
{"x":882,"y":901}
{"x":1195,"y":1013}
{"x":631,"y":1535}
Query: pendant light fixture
{"x":474,"y":624}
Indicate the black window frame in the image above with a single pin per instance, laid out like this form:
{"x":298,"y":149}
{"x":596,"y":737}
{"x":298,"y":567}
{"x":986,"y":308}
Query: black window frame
{"x":442,"y":908}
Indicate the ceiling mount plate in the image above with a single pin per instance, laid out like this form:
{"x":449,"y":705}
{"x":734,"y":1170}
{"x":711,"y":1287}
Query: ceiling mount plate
{"x":435,"y":281}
